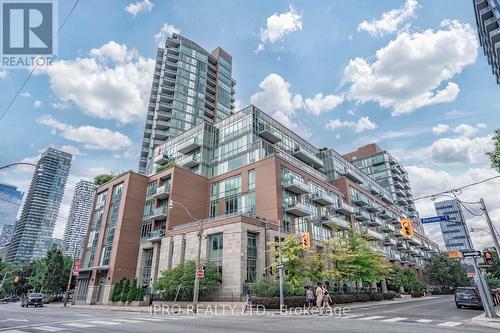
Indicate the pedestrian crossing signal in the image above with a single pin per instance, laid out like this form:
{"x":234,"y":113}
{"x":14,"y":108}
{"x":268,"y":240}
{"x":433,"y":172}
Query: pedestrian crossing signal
{"x":407,"y":228}
{"x":306,"y":240}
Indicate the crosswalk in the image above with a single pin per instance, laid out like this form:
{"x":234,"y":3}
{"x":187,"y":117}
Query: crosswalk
{"x":387,"y":319}
{"x":82,"y":323}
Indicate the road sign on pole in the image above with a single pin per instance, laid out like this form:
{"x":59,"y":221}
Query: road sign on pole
{"x":433,"y":219}
{"x":76,"y":267}
{"x":200,"y":273}
{"x":471,"y":254}
{"x":280,"y":267}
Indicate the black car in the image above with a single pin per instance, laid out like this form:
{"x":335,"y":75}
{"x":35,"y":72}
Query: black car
{"x":467,"y":296}
{"x":34,"y":299}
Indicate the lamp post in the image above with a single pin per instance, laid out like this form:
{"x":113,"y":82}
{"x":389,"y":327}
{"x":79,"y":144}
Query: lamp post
{"x":198,"y":258}
{"x":39,"y":168}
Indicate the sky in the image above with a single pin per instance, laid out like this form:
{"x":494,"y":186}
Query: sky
{"x":408,"y":75}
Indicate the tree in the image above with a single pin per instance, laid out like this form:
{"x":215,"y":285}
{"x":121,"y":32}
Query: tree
{"x":167,"y":165}
{"x":406,"y":278}
{"x":445,"y":272}
{"x":125,"y":290}
{"x":37,"y":279}
{"x":132,"y":293}
{"x":181,"y":278}
{"x":54,"y":276}
{"x":495,"y":154}
{"x":102,"y":179}
{"x":116,"y":294}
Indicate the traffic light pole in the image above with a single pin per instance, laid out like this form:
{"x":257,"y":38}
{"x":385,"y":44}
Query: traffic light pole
{"x":490,"y":226}
{"x":198,"y":261}
{"x":484,"y":291}
{"x":281,"y":275}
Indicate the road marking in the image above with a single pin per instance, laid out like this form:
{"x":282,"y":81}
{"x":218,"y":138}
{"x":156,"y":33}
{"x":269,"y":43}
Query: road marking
{"x":102,"y":322}
{"x":395,"y":319}
{"x":450,"y":324}
{"x":425,"y":321}
{"x":352,"y":316}
{"x":13,"y":331}
{"x":79,"y":325}
{"x":12,"y":319}
{"x":49,"y":328}
{"x":371,"y":318}
{"x":150,"y":319}
{"x":83,"y":314}
{"x":130,"y":321}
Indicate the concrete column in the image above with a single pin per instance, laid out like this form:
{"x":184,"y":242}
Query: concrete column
{"x":383,"y":285}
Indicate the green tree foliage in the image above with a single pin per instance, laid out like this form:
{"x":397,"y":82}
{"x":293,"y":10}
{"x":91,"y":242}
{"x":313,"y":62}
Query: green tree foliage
{"x":495,"y":154}
{"x":167,"y":165}
{"x":132,"y":293}
{"x":406,"y":278}
{"x":182,"y":278}
{"x":445,"y":272}
{"x":36,"y":280}
{"x":54,"y":276}
{"x":349,"y":257}
{"x":125,"y":291}
{"x":102,"y":179}
{"x":117,"y":291}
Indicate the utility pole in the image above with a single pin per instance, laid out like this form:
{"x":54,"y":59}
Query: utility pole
{"x":490,"y":226}
{"x":198,"y":261}
{"x":484,"y":291}
{"x":66,"y":295}
{"x":281,"y":274}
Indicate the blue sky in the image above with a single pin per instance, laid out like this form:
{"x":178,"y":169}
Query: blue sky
{"x":407,"y":74}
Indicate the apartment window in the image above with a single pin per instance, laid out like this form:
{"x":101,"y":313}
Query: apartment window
{"x":231,"y":205}
{"x":213,"y":209}
{"x":251,"y":180}
{"x":215,"y":246}
{"x":147,"y":260}
{"x":251,"y":257}
{"x":183,"y":249}
{"x":171,"y":253}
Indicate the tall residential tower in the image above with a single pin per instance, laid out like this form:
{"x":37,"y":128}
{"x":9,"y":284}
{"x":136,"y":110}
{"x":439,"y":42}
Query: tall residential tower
{"x":10,"y":201}
{"x":488,"y":26}
{"x":78,"y":219}
{"x":454,"y":231}
{"x":190,"y":85}
{"x":33,"y":232}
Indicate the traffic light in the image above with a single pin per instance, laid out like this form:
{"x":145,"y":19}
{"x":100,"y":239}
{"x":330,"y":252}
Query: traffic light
{"x":306,"y":240}
{"x":488,"y":257}
{"x":407,"y":228}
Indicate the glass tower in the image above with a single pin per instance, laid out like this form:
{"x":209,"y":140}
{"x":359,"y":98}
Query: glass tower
{"x":32,"y":236}
{"x":454,"y":231}
{"x":10,"y":201}
{"x":488,"y":26}
{"x":190,"y":86}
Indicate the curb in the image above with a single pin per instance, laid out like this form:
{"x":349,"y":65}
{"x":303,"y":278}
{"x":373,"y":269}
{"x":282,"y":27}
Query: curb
{"x":488,"y":322}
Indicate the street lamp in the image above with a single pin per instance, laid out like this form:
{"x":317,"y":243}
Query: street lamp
{"x":198,"y":258}
{"x":39,"y":168}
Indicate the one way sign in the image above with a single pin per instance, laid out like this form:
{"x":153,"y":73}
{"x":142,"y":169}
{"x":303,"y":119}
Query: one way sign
{"x":471,"y":253}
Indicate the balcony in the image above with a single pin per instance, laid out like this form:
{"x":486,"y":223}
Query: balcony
{"x":352,"y":175}
{"x":159,"y":213}
{"x":401,"y":245}
{"x":298,"y":209}
{"x":162,"y":158}
{"x":156,"y":235}
{"x":269,"y":134}
{"x":323,"y":199}
{"x":307,"y":157}
{"x":361,"y":215}
{"x":386,"y":227}
{"x":398,"y":232}
{"x":339,"y":223}
{"x":296,"y":186}
{"x":359,"y":200}
{"x":162,"y":192}
{"x":393,"y":256}
{"x":414,"y":241}
{"x":344,"y":208}
{"x":189,"y":145}
{"x":384,"y":213}
{"x":375,"y":222}
{"x":375,"y":235}
{"x":390,"y":242}
{"x":189,"y":161}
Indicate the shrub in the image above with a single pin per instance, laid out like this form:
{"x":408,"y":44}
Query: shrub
{"x":274,"y":302}
{"x":389,"y":296}
{"x":361,"y":298}
{"x":375,"y":297}
{"x":342,"y":299}
{"x":265,"y":287}
{"x":417,"y":294}
{"x":132,"y":293}
{"x":125,"y":290}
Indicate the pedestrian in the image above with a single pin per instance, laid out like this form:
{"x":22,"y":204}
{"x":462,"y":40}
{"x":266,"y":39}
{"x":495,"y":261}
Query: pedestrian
{"x":248,"y":303}
{"x":326,"y":297}
{"x":309,"y":299}
{"x":319,"y":298}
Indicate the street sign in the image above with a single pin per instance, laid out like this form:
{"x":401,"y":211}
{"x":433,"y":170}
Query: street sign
{"x":76,"y":267}
{"x":471,"y":254}
{"x":433,"y":219}
{"x":200,"y":273}
{"x":280,"y":267}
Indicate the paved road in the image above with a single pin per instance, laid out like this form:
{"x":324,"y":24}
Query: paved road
{"x":431,"y":315}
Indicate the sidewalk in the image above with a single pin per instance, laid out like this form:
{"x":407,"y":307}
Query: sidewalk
{"x":488,"y":322}
{"x":147,"y":309}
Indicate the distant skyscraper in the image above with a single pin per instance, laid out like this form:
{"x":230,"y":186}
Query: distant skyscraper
{"x":6,"y":233}
{"x":488,"y":26}
{"x":190,"y":85}
{"x":78,"y":219}
{"x":10,"y":201}
{"x":33,"y":233}
{"x":455,"y":230}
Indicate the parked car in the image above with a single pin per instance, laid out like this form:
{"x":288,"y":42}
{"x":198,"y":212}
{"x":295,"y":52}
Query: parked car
{"x":467,"y":296}
{"x":34,"y":299}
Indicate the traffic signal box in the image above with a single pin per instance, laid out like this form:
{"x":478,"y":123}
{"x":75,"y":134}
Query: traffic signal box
{"x":488,"y":257}
{"x":407,"y":228}
{"x":305,"y":238}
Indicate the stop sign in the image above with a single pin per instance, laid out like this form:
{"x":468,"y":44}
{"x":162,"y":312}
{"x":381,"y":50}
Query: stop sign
{"x":200,"y":273}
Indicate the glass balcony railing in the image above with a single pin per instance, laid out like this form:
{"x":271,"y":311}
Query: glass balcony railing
{"x":298,"y":209}
{"x":295,"y":185}
{"x":323,"y":199}
{"x":162,"y":191}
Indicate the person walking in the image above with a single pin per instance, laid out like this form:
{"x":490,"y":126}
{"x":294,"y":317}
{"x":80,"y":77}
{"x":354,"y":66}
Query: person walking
{"x":319,"y":298}
{"x":326,"y":297}
{"x":309,"y":299}
{"x":248,"y":303}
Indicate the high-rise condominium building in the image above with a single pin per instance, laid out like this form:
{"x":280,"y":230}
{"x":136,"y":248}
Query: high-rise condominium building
{"x":10,"y":201}
{"x":244,"y":176}
{"x":33,"y":233}
{"x":454,"y":231}
{"x":6,"y":233}
{"x":488,"y":26}
{"x":78,"y":219}
{"x":190,"y":85}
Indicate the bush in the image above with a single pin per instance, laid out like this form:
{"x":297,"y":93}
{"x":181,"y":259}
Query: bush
{"x":274,"y":302}
{"x":132,"y":293}
{"x":265,"y":287}
{"x":376,"y":297}
{"x":389,"y":296}
{"x":342,"y":299}
{"x":125,"y":290}
{"x":416,"y":294}
{"x":361,"y":298}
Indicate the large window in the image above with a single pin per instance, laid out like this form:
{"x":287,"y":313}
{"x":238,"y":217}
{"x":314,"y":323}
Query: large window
{"x":251,"y":180}
{"x":251,"y":257}
{"x":215,"y":246}
{"x":147,"y":261}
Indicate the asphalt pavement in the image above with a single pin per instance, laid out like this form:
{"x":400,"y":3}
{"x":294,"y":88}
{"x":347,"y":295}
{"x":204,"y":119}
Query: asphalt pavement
{"x":428,"y":315}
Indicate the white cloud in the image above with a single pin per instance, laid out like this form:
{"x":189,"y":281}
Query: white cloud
{"x":351,"y":112}
{"x":278,"y":26}
{"x":25,"y":94}
{"x":457,"y":150}
{"x":91,"y":137}
{"x":412,"y":71}
{"x":481,"y":125}
{"x":166,"y":31}
{"x":139,"y":7}
{"x":37,"y":104}
{"x":61,"y":105}
{"x":3,"y":74}
{"x":427,"y":181}
{"x":391,"y":20}
{"x":363,"y":124}
{"x":113,"y":83}
{"x":440,"y":129}
{"x":72,"y":150}
{"x":465,"y":130}
{"x":321,"y":103}
{"x":277,"y":100}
